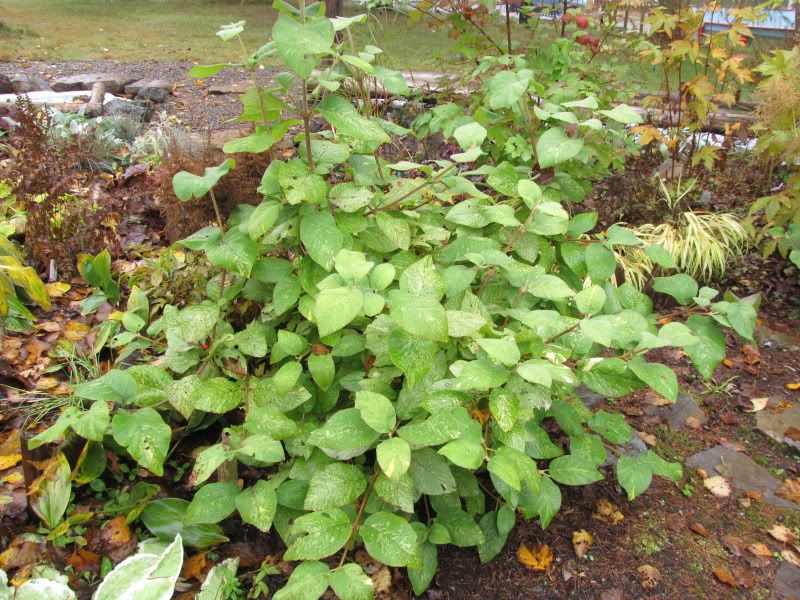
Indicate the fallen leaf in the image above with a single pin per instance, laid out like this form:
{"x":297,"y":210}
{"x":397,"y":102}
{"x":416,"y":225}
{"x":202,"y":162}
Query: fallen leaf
{"x":718,"y":486}
{"x":649,"y":576}
{"x":20,"y":553}
{"x":57,"y":289}
{"x":693,"y":423}
{"x":14,"y":478}
{"x":193,"y":567}
{"x":744,"y":577}
{"x":569,"y":570}
{"x":782,"y":534}
{"x":793,"y":433}
{"x":116,"y":532}
{"x":758,"y":404}
{"x":82,"y":560}
{"x":734,"y":545}
{"x":759,"y":549}
{"x":50,"y":326}
{"x":656,"y":399}
{"x":735,"y":446}
{"x":790,"y":490}
{"x":791,"y":557}
{"x":613,"y":594}
{"x":751,"y":354}
{"x":754,"y":495}
{"x":9,"y":460}
{"x":75,"y":331}
{"x":675,"y":522}
{"x":538,"y":559}
{"x":382,"y":581}
{"x":581,"y":541}
{"x":727,"y":362}
{"x":607,"y":512}
{"x":699,"y":529}
{"x":724,"y":576}
{"x":648,"y":438}
{"x":793,"y":386}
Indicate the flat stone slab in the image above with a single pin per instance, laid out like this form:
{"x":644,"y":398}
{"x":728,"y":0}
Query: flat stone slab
{"x":115,"y":82}
{"x":23,"y":83}
{"x":776,"y":339}
{"x":743,"y":471}
{"x":238,"y":87}
{"x":676,"y":414}
{"x":783,"y":426}
{"x":787,"y":583}
{"x":155,"y":90}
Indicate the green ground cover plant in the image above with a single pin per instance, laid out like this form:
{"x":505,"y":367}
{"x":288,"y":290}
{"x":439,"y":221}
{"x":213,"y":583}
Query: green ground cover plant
{"x":396,"y":347}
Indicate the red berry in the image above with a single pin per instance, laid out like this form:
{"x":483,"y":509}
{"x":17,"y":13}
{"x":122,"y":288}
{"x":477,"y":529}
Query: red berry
{"x":582,"y":21}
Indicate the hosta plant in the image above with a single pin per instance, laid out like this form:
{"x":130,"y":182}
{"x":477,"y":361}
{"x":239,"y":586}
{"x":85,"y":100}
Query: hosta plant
{"x":396,"y":349}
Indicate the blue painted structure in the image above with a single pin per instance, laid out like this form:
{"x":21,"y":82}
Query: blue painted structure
{"x":775,"y":24}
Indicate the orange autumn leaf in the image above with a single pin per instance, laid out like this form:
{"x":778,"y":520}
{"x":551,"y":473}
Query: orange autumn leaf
{"x":727,"y":362}
{"x":194,"y":566}
{"x":538,"y":559}
{"x":116,"y":532}
{"x":793,"y":386}
{"x":724,"y":576}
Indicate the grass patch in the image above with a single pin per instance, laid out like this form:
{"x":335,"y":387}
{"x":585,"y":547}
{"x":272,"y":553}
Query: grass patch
{"x":676,"y":445}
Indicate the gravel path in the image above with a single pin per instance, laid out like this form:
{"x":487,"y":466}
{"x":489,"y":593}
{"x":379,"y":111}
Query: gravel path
{"x":190,"y":103}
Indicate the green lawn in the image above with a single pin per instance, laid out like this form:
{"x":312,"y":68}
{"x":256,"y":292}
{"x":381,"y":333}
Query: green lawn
{"x":130,"y":30}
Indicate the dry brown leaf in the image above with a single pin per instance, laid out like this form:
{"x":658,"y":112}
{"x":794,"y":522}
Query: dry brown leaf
{"x":793,"y":433}
{"x":382,"y":581}
{"x":83,"y":560}
{"x":751,"y":354}
{"x":606,"y":511}
{"x":9,"y":460}
{"x":20,"y":553}
{"x":649,"y":576}
{"x":648,"y":438}
{"x":693,"y":423}
{"x":724,"y":576}
{"x":581,"y":541}
{"x":700,"y":529}
{"x":734,"y":545}
{"x":754,"y":495}
{"x":758,"y":404}
{"x":790,"y":490}
{"x":718,"y":486}
{"x":656,"y":399}
{"x":538,"y":559}
{"x":782,"y":534}
{"x":50,"y":326}
{"x":760,"y":549}
{"x":791,"y":557}
{"x":193,"y":567}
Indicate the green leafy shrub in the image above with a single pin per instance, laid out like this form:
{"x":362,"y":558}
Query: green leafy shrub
{"x":391,"y":343}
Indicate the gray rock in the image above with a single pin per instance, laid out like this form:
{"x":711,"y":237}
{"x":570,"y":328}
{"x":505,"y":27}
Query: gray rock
{"x":705,"y":198}
{"x":776,"y":339}
{"x":137,"y":110}
{"x":745,"y":474}
{"x":787,"y":583}
{"x":782,"y":426}
{"x":676,"y":414}
{"x":155,"y":90}
{"x":238,"y":87}
{"x":115,"y":82}
{"x":633,"y":448}
{"x":5,"y":85}
{"x":589,"y":397}
{"x":23,"y":83}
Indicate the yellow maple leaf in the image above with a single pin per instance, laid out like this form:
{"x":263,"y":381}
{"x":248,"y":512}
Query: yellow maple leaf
{"x":9,"y":460}
{"x":538,"y":559}
{"x":581,"y":541}
{"x":793,"y":386}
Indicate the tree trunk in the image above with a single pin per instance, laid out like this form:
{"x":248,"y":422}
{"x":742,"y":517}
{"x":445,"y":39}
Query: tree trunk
{"x":334,"y":8}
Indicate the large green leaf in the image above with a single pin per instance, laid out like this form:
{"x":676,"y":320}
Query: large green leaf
{"x":344,"y":430}
{"x":145,"y":435}
{"x":413,"y":355}
{"x":257,"y":505}
{"x":164,"y":519}
{"x":321,"y":237}
{"x":389,"y":539}
{"x":347,"y":121}
{"x":336,"y":485}
{"x":336,"y":307}
{"x":212,"y":503}
{"x":318,"y":535}
{"x":302,"y":44}
{"x":394,"y":457}
{"x":573,"y":470}
{"x":188,"y":186}
{"x":421,"y":316}
{"x":554,"y":147}
{"x":144,"y":576}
